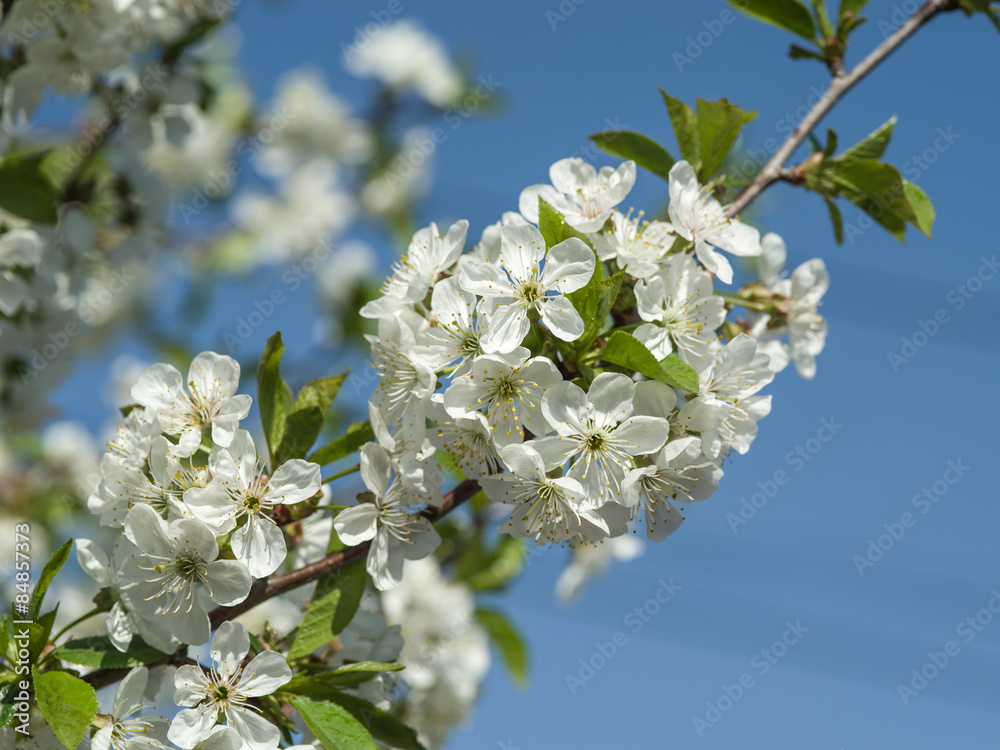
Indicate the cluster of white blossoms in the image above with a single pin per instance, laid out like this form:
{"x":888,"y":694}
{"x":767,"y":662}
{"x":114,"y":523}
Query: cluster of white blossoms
{"x":179,"y":475}
{"x":478,"y":355}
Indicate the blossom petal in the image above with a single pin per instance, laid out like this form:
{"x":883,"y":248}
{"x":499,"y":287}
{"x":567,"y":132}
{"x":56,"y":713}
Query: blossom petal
{"x":260,"y":545}
{"x":356,"y":525}
{"x":265,"y":673}
{"x":561,"y":318}
{"x":568,"y":266}
{"x":192,"y":725}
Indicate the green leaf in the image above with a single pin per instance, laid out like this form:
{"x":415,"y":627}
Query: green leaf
{"x":300,"y":433}
{"x":554,"y":228}
{"x":873,"y":145}
{"x":718,"y":125}
{"x":357,"y":435}
{"x":332,"y":607}
{"x":681,"y":372}
{"x":641,"y":149}
{"x":320,"y":393}
{"x":68,"y":704}
{"x":25,"y":192}
{"x":98,"y":651}
{"x":333,"y":725}
{"x":274,"y":397}
{"x":52,"y":567}
{"x":831,"y":142}
{"x":594,"y":302}
{"x":790,"y":15}
{"x":854,"y":7}
{"x":384,"y":726}
{"x":878,"y":190}
{"x":922,"y":207}
{"x":508,"y":641}
{"x":8,"y":702}
{"x":801,"y":53}
{"x":350,"y":674}
{"x":626,"y":350}
{"x":685,"y":124}
{"x":836,"y":219}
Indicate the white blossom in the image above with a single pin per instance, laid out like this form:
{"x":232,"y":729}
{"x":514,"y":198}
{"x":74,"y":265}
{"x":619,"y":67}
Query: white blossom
{"x":396,"y":532}
{"x":210,"y":399}
{"x":528,"y":278}
{"x":584,"y":196}
{"x":241,"y":496}
{"x":697,"y":216}
{"x":224,"y":691}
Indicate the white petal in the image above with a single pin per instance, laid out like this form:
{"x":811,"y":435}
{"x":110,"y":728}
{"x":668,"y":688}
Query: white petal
{"x":257,"y":732}
{"x":561,"y":318}
{"x":229,"y":582}
{"x":507,"y":329}
{"x":265,"y":673}
{"x":229,"y":647}
{"x":612,"y":393}
{"x":356,"y":525}
{"x":568,"y":266}
{"x":192,"y":725}
{"x":294,"y":481}
{"x":260,"y":545}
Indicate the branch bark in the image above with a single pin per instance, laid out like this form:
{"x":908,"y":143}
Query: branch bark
{"x":773,"y":170}
{"x":263,"y":590}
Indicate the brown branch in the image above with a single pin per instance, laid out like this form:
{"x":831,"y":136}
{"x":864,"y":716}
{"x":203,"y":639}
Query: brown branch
{"x":772,"y":171}
{"x":262,"y":590}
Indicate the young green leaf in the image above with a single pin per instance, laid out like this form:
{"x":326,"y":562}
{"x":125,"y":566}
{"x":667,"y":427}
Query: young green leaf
{"x":790,"y":15}
{"x":98,"y":651}
{"x":25,"y":192}
{"x":68,"y":704}
{"x":274,"y":397}
{"x":873,"y":145}
{"x":384,"y":726}
{"x":719,"y":124}
{"x":508,"y":641}
{"x":626,"y":350}
{"x":640,"y":148}
{"x":332,"y":607}
{"x":357,"y":435}
{"x":52,"y":567}
{"x":301,"y":430}
{"x":319,"y":685}
{"x":836,"y":220}
{"x":333,"y":724}
{"x":320,"y":393}
{"x":921,"y":205}
{"x":878,"y":190}
{"x":685,"y":124}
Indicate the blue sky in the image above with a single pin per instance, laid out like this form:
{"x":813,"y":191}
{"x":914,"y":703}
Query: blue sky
{"x":897,"y":429}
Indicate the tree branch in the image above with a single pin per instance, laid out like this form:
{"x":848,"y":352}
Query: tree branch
{"x":773,"y":171}
{"x":262,"y":590}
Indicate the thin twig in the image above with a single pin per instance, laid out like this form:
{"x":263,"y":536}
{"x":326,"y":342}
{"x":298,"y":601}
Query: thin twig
{"x":772,"y":171}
